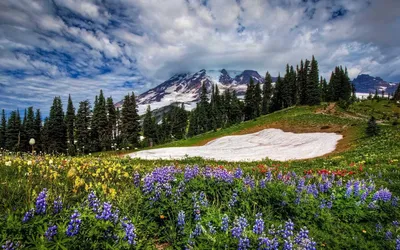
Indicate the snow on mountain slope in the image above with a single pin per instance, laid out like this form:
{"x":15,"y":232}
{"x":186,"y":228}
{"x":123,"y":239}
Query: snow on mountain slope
{"x":186,"y":88}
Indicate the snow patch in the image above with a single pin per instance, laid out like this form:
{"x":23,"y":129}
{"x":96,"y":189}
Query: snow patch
{"x":268,"y":143}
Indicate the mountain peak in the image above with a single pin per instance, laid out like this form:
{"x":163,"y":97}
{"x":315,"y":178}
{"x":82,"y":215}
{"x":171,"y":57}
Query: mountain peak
{"x":365,"y":83}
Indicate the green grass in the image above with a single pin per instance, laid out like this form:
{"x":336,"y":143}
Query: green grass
{"x":385,"y":110}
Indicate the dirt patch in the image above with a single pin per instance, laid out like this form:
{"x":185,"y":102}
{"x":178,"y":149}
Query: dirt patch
{"x":330,"y":109}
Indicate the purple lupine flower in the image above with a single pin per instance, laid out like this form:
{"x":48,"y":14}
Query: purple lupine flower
{"x":168,"y":189}
{"x":223,"y":175}
{"x":244,"y":243}
{"x":57,"y":205}
{"x":106,"y":213}
{"x":51,"y":232}
{"x":249,"y":181}
{"x":398,"y":243}
{"x":395,"y":223}
{"x":322,"y":204}
{"x":378,"y":228}
{"x":74,"y":224}
{"x":225,"y":223}
{"x":329,"y":204}
{"x":211,"y":228}
{"x":279,"y":177}
{"x":349,"y":191}
{"x":266,"y":244}
{"x":203,"y":199}
{"x":372,"y":205}
{"x":312,"y":189}
{"x":181,"y":220}
{"x":258,"y":227}
{"x":41,"y":202}
{"x":287,"y":245}
{"x":395,"y":201}
{"x":191,"y":173}
{"x":300,"y":185}
{"x":9,"y":245}
{"x":388,"y":235}
{"x":28,"y":215}
{"x":383,"y":194}
{"x":268,"y":176}
{"x":356,"y":188}
{"x":148,"y":183}
{"x":197,"y":230}
{"x":262,"y":183}
{"x":157,"y":192}
{"x":288,"y":229}
{"x":339,"y":182}
{"x":196,"y":211}
{"x":239,"y":225}
{"x":129,"y":229}
{"x":233,"y":199}
{"x":136,"y":179}
{"x":302,"y":234}
{"x":208,"y":172}
{"x":238,"y":173}
{"x":93,"y":201}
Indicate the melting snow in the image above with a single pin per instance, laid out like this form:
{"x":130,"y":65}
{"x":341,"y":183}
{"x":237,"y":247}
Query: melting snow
{"x":269,"y":143}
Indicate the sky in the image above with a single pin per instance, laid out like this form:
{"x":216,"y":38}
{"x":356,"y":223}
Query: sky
{"x":59,"y":47}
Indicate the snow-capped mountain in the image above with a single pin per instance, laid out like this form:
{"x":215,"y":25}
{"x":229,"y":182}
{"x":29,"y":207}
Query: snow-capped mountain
{"x":368,"y":84}
{"x":185,"y":88}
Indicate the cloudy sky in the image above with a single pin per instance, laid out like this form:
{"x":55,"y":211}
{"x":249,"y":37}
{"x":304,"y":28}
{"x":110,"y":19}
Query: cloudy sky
{"x":60,"y":47}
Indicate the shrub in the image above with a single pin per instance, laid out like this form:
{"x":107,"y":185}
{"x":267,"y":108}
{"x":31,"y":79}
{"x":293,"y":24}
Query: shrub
{"x":372,"y":128}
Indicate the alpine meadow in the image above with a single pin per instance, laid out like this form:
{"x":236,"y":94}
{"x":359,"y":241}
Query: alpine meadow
{"x":199,"y":124}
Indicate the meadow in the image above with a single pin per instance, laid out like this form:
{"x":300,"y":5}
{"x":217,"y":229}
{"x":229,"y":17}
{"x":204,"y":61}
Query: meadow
{"x":348,"y":199}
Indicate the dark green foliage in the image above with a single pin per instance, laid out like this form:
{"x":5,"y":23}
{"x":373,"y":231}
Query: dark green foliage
{"x":70,"y":121}
{"x":277,"y":100}
{"x":149,"y":128}
{"x":57,"y":130}
{"x":204,"y":111}
{"x":130,"y":126}
{"x":396,"y":96}
{"x":38,"y":130}
{"x":313,"y":92}
{"x":45,"y":138}
{"x":194,"y":122}
{"x":285,"y":89}
{"x":372,"y":128}
{"x":29,"y":129}
{"x":267,"y":94}
{"x":3,"y":128}
{"x":13,"y":131}
{"x":112,"y":119}
{"x":250,"y":107}
{"x":100,"y":126}
{"x":82,"y":125}
{"x":340,"y":87}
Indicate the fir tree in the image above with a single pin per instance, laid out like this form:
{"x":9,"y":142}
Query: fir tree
{"x":149,"y":127}
{"x":82,"y":126}
{"x":70,"y":121}
{"x":235,"y":111}
{"x":45,"y":135}
{"x":57,"y":129}
{"x":204,"y":111}
{"x":267,"y":94}
{"x":130,"y":127}
{"x":249,"y":109}
{"x":277,"y":100}
{"x":372,"y":128}
{"x":396,"y":96}
{"x":13,"y":131}
{"x":3,"y":128}
{"x":112,"y":118}
{"x":23,"y":138}
{"x":312,"y":93}
{"x":286,"y":89}
{"x":257,"y":99}
{"x":102,"y":123}
{"x":38,"y":130}
{"x":30,"y":128}
{"x":194,"y":122}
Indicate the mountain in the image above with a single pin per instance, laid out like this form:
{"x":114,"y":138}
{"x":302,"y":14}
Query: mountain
{"x":368,"y":84}
{"x":185,"y":88}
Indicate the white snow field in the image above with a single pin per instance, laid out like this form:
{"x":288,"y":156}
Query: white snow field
{"x":272,"y":143}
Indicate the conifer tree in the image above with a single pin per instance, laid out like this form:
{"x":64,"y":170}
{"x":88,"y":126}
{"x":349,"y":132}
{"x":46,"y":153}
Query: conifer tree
{"x":112,"y":118}
{"x":57,"y":129}
{"x":249,"y":109}
{"x":130,"y":126}
{"x":267,"y":94}
{"x":276,"y":102}
{"x":194,"y":122}
{"x":372,"y":128}
{"x":3,"y":128}
{"x":23,"y":138}
{"x":82,"y":126}
{"x":180,"y":122}
{"x":70,"y":122}
{"x":149,"y":127}
{"x":13,"y":131}
{"x":94,"y":135}
{"x":30,"y":128}
{"x":204,"y":111}
{"x":257,"y":99}
{"x":38,"y":130}
{"x":286,"y":88}
{"x":235,"y":111}
{"x":312,"y":87}
{"x":396,"y":96}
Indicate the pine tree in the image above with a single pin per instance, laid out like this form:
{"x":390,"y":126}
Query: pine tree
{"x":235,"y":111}
{"x":180,"y":122}
{"x":372,"y":128}
{"x":194,"y":122}
{"x":286,"y":89}
{"x":396,"y":96}
{"x":44,"y":135}
{"x":277,"y":101}
{"x":70,"y":122}
{"x":82,"y":126}
{"x":302,"y":82}
{"x":112,"y":118}
{"x":102,"y":123}
{"x":38,"y":130}
{"x":57,"y":129}
{"x":204,"y":111}
{"x":267,"y":94}
{"x":13,"y":131}
{"x":3,"y":128}
{"x":312,"y":93}
{"x":94,"y":134}
{"x":257,"y":100}
{"x":149,"y":127}
{"x":130,"y":126}
{"x":249,"y":109}
{"x":30,"y":128}
{"x":376,"y":97}
{"x":23,"y":140}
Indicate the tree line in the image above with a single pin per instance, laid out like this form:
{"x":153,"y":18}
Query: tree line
{"x":106,"y":127}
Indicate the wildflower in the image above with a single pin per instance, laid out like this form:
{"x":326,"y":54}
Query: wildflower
{"x":240,"y":225}
{"x":287,"y":245}
{"x":249,"y":181}
{"x":51,"y":232}
{"x":93,"y":201}
{"x":258,"y":227}
{"x":288,"y":229}
{"x":238,"y":173}
{"x":106,"y":213}
{"x":29,"y":163}
{"x":225,"y":223}
{"x":266,"y":244}
{"x":202,"y":199}
{"x":197,"y":230}
{"x":57,"y":205}
{"x":41,"y":203}
{"x":196,"y":211}
{"x":233,"y":199}
{"x":398,"y":243}
{"x":9,"y":245}
{"x":28,"y":215}
{"x":74,"y":224}
{"x":383,"y":194}
{"x":395,"y":201}
{"x":8,"y":163}
{"x":395,"y":223}
{"x":388,"y":235}
{"x":378,"y":228}
{"x":136,"y":179}
{"x":129,"y":229}
{"x":211,"y":228}
{"x":244,"y":243}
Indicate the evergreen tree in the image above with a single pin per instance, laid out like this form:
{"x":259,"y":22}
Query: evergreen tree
{"x":286,"y":89}
{"x":23,"y":140}
{"x":70,"y":122}
{"x":149,"y":127}
{"x":94,"y":134}
{"x":30,"y":128}
{"x":101,"y":121}
{"x":324,"y":90}
{"x":372,"y":128}
{"x":235,"y":111}
{"x":13,"y":131}
{"x":293,"y":86}
{"x":112,"y":118}
{"x":130,"y":126}
{"x":302,"y":82}
{"x":249,"y":109}
{"x":45,"y":139}
{"x":57,"y":130}
{"x":267,"y":94}
{"x":178,"y":128}
{"x":313,"y":93}
{"x":376,"y":97}
{"x":82,"y":126}
{"x":38,"y":129}
{"x":396,"y":96}
{"x":257,"y":100}
{"x":277,"y":100}
{"x":3,"y":128}
{"x":204,"y":111}
{"x":194,"y":122}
